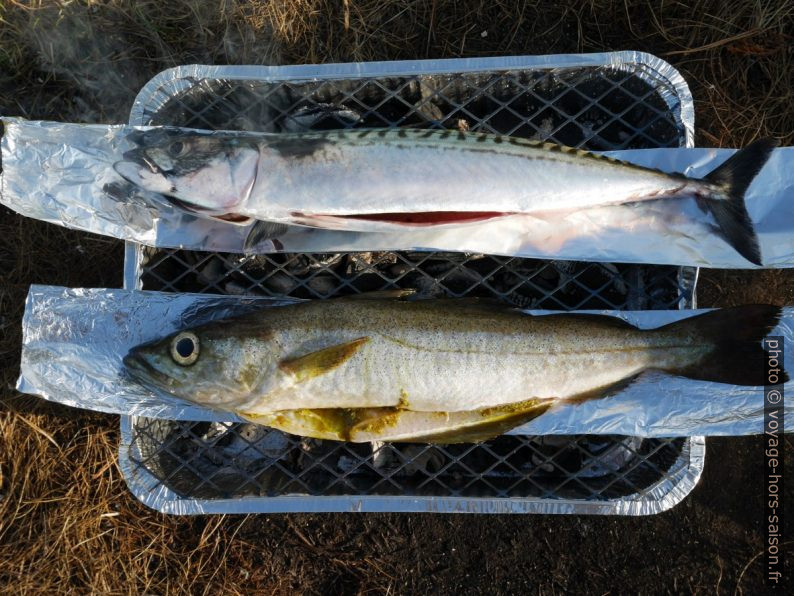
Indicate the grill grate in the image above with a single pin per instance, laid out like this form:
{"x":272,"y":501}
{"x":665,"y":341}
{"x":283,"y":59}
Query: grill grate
{"x":528,"y":283}
{"x":229,"y":460}
{"x":598,"y":108}
{"x":601,"y":108}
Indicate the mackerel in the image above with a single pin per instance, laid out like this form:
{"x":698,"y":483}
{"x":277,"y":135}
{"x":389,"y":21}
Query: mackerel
{"x":379,"y":180}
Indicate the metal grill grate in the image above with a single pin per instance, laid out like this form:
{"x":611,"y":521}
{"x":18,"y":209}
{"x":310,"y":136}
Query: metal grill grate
{"x":599,"y":108}
{"x":228,"y":460}
{"x":528,"y":283}
{"x":213,"y":463}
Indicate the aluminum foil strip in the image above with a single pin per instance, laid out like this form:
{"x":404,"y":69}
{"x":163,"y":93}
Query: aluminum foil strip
{"x":62,"y":173}
{"x":74,"y":339}
{"x":80,"y":190}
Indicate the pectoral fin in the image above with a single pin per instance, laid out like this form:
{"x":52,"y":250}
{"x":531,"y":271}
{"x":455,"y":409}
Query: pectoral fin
{"x":322,"y":361}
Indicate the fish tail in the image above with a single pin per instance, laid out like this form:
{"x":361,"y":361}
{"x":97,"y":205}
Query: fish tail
{"x":738,"y":357}
{"x":734,"y":177}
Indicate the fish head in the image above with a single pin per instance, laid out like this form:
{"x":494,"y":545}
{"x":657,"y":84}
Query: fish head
{"x":213,"y":365}
{"x":207,"y":174}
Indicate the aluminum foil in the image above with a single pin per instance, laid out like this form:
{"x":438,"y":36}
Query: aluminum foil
{"x":74,"y":340}
{"x":62,"y":173}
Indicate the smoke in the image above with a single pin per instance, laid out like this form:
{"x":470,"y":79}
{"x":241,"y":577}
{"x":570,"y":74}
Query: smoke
{"x":98,"y":64}
{"x":101,"y":55}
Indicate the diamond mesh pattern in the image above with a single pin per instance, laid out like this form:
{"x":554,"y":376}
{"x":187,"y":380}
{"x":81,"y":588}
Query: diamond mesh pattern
{"x":226,"y":460}
{"x":598,"y":108}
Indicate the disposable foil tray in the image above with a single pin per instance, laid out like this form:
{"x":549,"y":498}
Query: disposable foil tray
{"x":599,"y":102}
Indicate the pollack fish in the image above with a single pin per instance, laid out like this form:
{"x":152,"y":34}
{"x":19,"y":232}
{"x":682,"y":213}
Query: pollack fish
{"x":433,"y":370}
{"x":386,"y":180}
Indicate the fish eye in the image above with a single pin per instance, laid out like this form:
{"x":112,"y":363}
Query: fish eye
{"x":185,"y":348}
{"x":176,"y":149}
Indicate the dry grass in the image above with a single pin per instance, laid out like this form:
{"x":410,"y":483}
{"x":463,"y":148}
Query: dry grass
{"x":67,"y":522}
{"x":85,"y":61}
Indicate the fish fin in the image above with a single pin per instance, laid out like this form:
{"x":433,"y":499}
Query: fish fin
{"x":322,"y":361}
{"x":394,"y":425}
{"x":738,"y":357}
{"x":361,"y":425}
{"x":298,"y":146}
{"x":186,"y":205}
{"x":611,"y":321}
{"x":605,"y":391}
{"x":734,"y":177}
{"x":330,"y":424}
{"x":394,"y":294}
{"x":263,"y":230}
{"x":477,"y":303}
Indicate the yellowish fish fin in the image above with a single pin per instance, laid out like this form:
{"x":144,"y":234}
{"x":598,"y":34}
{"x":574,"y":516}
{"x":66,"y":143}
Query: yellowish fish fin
{"x":361,"y":425}
{"x":332,"y":424}
{"x":493,"y":422}
{"x":322,"y":361}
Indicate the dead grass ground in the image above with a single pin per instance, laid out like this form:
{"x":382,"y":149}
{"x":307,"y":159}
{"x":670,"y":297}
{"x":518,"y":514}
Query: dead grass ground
{"x":67,"y":521}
